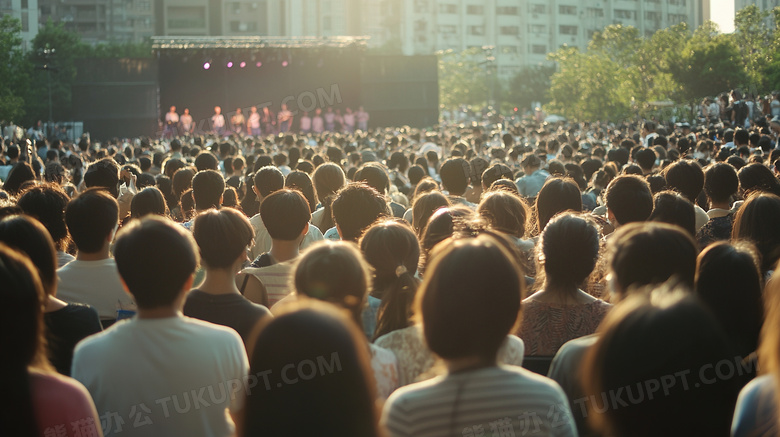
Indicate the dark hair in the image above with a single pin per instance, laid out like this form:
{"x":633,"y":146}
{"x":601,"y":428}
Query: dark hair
{"x":356,"y":207}
{"x":758,"y":177}
{"x":641,"y":254}
{"x":328,"y":178}
{"x":155,"y":258}
{"x":756,"y":221}
{"x":285,"y":214}
{"x":424,"y":206}
{"x":425,"y":185}
{"x":28,"y":236}
{"x":206,"y":161}
{"x":628,"y":197}
{"x":686,"y":177}
{"x":455,"y":175}
{"x":150,"y":200}
{"x":671,"y":207}
{"x":374,"y":176}
{"x":340,"y":403}
{"x":474,"y":279}
{"x":22,"y":339}
{"x":268,"y":179}
{"x":416,"y":173}
{"x":47,"y":203}
{"x":298,"y":180}
{"x":222,"y":236}
{"x":494,"y":173}
{"x":207,"y":189}
{"x":645,"y":158}
{"x":729,"y":282}
{"x":335,"y":272}
{"x":504,"y":212}
{"x":20,"y":174}
{"x":557,"y":195}
{"x":649,"y":338}
{"x":568,"y":250}
{"x":392,"y":249}
{"x":92,"y":217}
{"x":104,"y":174}
{"x":182,"y":180}
{"x":720,"y":182}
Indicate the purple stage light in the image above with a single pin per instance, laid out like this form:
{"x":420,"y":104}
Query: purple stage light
{"x":242,"y":64}
{"x":230,"y":64}
{"x":259,"y":64}
{"x":284,"y":63}
{"x":206,"y":65}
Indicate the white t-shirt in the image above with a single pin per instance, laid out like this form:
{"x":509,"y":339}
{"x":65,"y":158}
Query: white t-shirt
{"x":305,"y":123}
{"x":174,"y":376}
{"x":263,"y":240}
{"x":95,"y":283}
{"x":489,"y":401}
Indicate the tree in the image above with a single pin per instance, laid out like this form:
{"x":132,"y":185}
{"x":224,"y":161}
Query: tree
{"x":462,"y":79}
{"x":530,"y":85}
{"x":752,"y":38}
{"x":13,"y":70}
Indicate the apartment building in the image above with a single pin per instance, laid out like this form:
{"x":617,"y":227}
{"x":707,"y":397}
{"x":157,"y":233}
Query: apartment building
{"x":25,"y":11}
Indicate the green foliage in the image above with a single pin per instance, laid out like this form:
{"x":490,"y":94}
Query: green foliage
{"x":462,"y":79}
{"x":752,"y":38}
{"x":529,"y":85}
{"x":13,"y":70}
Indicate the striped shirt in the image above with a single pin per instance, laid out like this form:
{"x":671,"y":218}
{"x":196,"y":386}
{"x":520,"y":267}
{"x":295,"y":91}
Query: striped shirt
{"x":275,"y":279}
{"x":488,"y":401}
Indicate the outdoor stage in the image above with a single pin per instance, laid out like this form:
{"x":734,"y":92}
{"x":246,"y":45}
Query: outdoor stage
{"x":239,"y":72}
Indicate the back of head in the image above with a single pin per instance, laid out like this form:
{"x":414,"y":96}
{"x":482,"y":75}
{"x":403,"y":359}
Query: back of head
{"x":557,"y":195}
{"x":455,"y":175}
{"x":728,"y":281}
{"x":222,"y":236}
{"x":285,"y":214}
{"x":670,"y":207}
{"x":268,"y":179}
{"x":568,"y":249}
{"x":328,"y":178}
{"x":641,"y":254}
{"x":686,"y":177}
{"x":720,"y":182}
{"x":645,"y":158}
{"x":47,"y":203}
{"x":334,"y":386}
{"x":374,"y":176}
{"x":666,"y":341}
{"x":756,"y":221}
{"x":300,"y":181}
{"x":758,"y":177}
{"x":504,"y":212}
{"x":155,"y":258}
{"x":20,"y":174}
{"x":28,"y":236}
{"x":629,"y":199}
{"x":416,"y":173}
{"x":471,"y":279}
{"x":335,"y":272}
{"x":103,"y":174}
{"x":494,"y":173}
{"x":356,"y":207}
{"x":424,"y":206}
{"x":92,"y":217}
{"x":150,"y":200}
{"x":206,"y":161}
{"x":207,"y":189}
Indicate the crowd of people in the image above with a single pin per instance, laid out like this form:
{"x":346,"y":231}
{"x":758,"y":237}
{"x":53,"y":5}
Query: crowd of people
{"x":505,"y":278}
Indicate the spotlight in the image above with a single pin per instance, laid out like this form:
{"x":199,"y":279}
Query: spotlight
{"x":259,"y":64}
{"x":230,"y":64}
{"x":285,"y":63}
{"x":206,"y":65}
{"x":242,"y":64}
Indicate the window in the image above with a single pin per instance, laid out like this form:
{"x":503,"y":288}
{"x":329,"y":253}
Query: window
{"x":682,"y":3}
{"x":25,"y":4}
{"x":475,"y":9}
{"x":652,"y":15}
{"x":567,"y":30}
{"x":508,"y":49}
{"x":25,"y":21}
{"x":537,"y":28}
{"x":567,"y":10}
{"x":538,"y":9}
{"x":539,"y":49}
{"x":596,"y":12}
{"x":677,"y":18}
{"x":448,"y":28}
{"x":623,"y":14}
{"x":239,"y":26}
{"x":448,"y":9}
{"x":420,"y":26}
{"x":476,"y":30}
{"x":235,"y":7}
{"x":183,"y":17}
{"x":506,"y":10}
{"x":509,"y":30}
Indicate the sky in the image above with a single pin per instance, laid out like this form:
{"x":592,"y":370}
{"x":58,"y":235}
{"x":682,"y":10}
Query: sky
{"x":723,"y":14}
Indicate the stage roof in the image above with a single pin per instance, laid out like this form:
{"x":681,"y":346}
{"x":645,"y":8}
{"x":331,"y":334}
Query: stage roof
{"x":255,"y":42}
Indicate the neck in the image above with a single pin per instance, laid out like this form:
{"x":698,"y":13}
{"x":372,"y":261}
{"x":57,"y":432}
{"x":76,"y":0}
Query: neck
{"x":158,"y":312}
{"x":93,"y":256}
{"x":54,"y":304}
{"x":719,"y":205}
{"x":219,"y":281}
{"x":284,"y":250}
{"x":468,"y":363}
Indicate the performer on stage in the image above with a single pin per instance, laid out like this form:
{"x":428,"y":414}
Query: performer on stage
{"x":269,"y":121}
{"x":338,"y":121}
{"x":253,"y":125}
{"x":218,"y":121}
{"x":237,"y":121}
{"x":305,"y":123}
{"x":349,"y":121}
{"x":317,"y":123}
{"x":171,"y":123}
{"x":185,"y":122}
{"x":330,"y":120}
{"x":362,"y":119}
{"x":285,"y":119}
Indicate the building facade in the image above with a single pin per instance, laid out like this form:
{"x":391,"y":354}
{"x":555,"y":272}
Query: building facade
{"x":25,"y":11}
{"x":101,"y":20}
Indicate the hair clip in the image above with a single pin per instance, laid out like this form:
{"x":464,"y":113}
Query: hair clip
{"x":400,"y":270}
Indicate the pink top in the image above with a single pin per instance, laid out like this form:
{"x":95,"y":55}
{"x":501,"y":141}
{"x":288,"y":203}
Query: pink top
{"x":546,"y":326}
{"x":63,"y":407}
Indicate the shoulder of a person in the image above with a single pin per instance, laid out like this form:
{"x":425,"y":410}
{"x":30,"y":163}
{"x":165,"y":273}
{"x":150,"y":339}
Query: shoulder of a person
{"x":56,"y":386}
{"x":220,"y":334}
